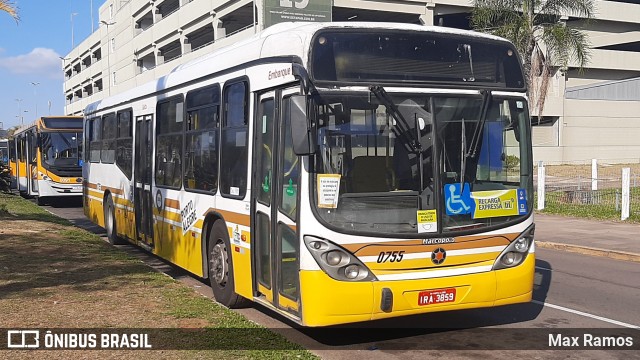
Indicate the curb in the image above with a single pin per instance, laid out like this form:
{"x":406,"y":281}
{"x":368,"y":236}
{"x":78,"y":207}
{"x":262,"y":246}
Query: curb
{"x":586,"y":250}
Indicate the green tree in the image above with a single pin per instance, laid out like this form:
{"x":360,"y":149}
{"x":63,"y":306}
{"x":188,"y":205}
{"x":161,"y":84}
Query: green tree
{"x":539,"y":31}
{"x":5,"y":177}
{"x":10,"y":8}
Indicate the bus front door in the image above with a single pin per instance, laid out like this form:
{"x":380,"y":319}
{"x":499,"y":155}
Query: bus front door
{"x":275,"y":197}
{"x":142,"y":200}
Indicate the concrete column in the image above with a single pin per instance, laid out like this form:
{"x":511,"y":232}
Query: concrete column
{"x":219,"y":32}
{"x":184,"y":43}
{"x":156,"y":17}
{"x":158,"y":54}
{"x":429,"y":13}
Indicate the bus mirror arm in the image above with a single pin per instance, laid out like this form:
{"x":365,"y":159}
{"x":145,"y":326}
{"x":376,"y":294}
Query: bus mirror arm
{"x":301,"y":73}
{"x":301,"y":127}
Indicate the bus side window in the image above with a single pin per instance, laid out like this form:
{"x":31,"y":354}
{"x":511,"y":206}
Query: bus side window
{"x":109,"y":134}
{"x":201,"y":139}
{"x":95,"y":139}
{"x":124,"y":143}
{"x":169,"y":129}
{"x":233,"y":159}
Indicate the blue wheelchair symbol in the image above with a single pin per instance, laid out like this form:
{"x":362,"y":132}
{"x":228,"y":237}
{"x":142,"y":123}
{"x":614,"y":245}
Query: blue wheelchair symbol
{"x":458,"y":202}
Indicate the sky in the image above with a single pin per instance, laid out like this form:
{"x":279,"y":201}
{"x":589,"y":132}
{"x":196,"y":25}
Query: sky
{"x":30,"y":52}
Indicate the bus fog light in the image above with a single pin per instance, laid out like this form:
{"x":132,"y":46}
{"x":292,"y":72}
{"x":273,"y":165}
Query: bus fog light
{"x":521,"y":245}
{"x":352,"y":271}
{"x":334,"y":258}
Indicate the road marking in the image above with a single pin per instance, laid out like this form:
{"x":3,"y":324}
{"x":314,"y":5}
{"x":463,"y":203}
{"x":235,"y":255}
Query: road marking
{"x":615,"y":322}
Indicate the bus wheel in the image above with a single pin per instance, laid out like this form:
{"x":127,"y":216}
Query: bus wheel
{"x":40,"y":200}
{"x":110,"y":222}
{"x":221,"y":267}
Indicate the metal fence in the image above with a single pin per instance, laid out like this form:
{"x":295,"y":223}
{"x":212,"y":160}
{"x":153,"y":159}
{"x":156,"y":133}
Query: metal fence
{"x":594,"y":190}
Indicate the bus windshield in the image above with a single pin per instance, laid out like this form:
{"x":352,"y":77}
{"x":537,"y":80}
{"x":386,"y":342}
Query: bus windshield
{"x":61,"y":149}
{"x":463,"y":159}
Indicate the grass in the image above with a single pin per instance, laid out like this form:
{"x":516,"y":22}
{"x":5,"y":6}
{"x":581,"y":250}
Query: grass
{"x":598,"y":204}
{"x":53,"y":275}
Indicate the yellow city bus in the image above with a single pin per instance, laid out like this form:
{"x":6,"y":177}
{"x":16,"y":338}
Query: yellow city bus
{"x":333,"y":172}
{"x":46,"y":161}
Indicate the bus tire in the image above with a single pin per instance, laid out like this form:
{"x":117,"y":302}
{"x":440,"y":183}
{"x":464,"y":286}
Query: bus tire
{"x":221,"y":266}
{"x":110,"y":222}
{"x":40,"y":200}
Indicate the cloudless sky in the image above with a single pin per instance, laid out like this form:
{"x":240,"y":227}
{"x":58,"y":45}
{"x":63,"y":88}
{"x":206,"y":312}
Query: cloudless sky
{"x":30,"y":51}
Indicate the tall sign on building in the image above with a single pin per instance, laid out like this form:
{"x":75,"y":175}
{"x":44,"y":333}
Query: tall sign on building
{"x":277,"y":11}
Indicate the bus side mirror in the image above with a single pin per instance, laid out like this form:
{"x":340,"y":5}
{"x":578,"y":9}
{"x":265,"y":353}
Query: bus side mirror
{"x":301,"y":127}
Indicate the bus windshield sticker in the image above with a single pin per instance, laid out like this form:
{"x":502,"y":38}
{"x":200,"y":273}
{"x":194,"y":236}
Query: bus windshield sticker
{"x":266,"y":183}
{"x":427,"y":221}
{"x":522,"y":202}
{"x":234,"y":191}
{"x":290,"y":190}
{"x":495,"y":203}
{"x":328,"y":190}
{"x":457,"y":202}
{"x":179,"y":112}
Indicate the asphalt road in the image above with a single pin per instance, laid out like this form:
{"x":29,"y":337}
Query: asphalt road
{"x":574,"y":295}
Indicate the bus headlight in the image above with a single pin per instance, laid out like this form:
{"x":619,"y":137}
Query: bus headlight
{"x":336,"y":262}
{"x":517,"y":251}
{"x":335,"y":257}
{"x":521,"y":244}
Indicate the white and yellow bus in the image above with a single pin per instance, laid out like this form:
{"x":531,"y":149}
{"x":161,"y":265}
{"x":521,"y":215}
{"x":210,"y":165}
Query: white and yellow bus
{"x":334,"y":173}
{"x":46,"y":160}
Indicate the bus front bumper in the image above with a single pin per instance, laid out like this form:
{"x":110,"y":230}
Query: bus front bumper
{"x":329,"y":302}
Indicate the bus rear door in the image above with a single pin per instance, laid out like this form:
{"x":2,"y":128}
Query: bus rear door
{"x":142,"y":200}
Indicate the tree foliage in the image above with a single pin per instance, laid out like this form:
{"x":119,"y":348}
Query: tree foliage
{"x":539,"y":31}
{"x":10,"y":8}
{"x":5,"y":177}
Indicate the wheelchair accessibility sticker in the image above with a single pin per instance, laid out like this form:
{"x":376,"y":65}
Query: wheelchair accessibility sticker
{"x":458,"y":202}
{"x":484,"y":204}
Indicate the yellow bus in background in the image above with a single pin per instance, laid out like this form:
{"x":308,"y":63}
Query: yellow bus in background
{"x":332,"y":172}
{"x":47,"y":163}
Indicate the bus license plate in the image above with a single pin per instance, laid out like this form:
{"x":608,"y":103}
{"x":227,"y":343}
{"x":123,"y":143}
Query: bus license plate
{"x":436,"y":296}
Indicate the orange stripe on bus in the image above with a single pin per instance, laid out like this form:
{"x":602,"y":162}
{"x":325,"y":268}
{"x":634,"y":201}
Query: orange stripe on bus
{"x":171,"y":203}
{"x":232,"y":217}
{"x":413,"y":245}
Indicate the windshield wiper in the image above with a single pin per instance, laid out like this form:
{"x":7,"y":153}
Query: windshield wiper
{"x":403,"y":125}
{"x":475,"y":140}
{"x":415,"y":145}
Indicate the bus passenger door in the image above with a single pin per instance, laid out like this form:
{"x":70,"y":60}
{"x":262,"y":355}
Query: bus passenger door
{"x":32,"y":163}
{"x":143,"y":171}
{"x":275,"y":198}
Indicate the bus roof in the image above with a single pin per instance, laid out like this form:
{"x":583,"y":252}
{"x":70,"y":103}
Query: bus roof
{"x":44,"y":124}
{"x":284,"y":39}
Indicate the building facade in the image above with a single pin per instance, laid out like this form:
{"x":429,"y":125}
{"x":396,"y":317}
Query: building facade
{"x":140,"y":40}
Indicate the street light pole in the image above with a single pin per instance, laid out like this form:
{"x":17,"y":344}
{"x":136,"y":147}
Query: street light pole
{"x":72,"y":42}
{"x":110,"y":76}
{"x":35,"y":95}
{"x":20,"y":110}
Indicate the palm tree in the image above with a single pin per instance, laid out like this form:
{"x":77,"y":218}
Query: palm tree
{"x":539,"y":32}
{"x":10,"y":8}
